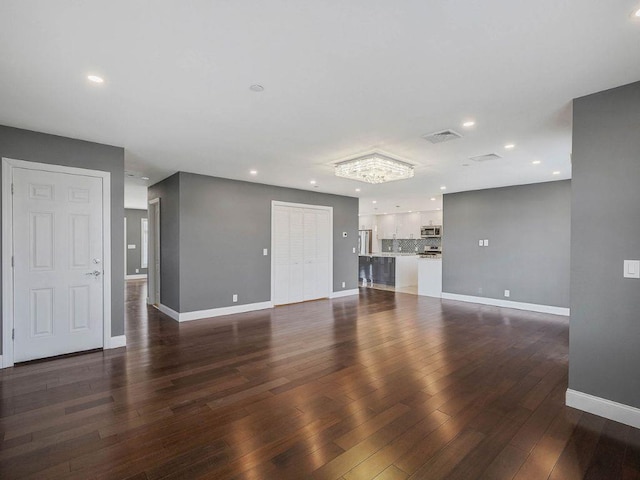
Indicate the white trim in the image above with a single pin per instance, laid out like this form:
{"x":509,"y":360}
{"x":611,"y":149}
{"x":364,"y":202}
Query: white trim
{"x":213,"y":312}
{"x":117,"y":342}
{"x":137,"y":276}
{"x":169,"y":311}
{"x":7,"y":271}
{"x":8,"y":164}
{"x":345,"y":293}
{"x":532,"y":307}
{"x":144,"y":262}
{"x":618,"y":412}
{"x":327,"y":208}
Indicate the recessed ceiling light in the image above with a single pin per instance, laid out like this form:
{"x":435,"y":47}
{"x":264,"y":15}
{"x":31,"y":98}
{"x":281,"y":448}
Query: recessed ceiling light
{"x":357,"y":189}
{"x":95,"y":79}
{"x":410,"y":211}
{"x":443,"y":187}
{"x":256,"y":88}
{"x":636,"y":14}
{"x":469,"y":123}
{"x":374,"y":201}
{"x":144,"y":178}
{"x":253,"y":172}
{"x":556,"y":172}
{"x":509,"y":146}
{"x":433,"y":199}
{"x":438,"y":208}
{"x":312,"y":182}
{"x":536,"y":162}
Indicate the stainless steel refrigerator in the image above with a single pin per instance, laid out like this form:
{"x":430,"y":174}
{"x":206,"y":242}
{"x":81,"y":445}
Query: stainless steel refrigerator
{"x":364,"y":241}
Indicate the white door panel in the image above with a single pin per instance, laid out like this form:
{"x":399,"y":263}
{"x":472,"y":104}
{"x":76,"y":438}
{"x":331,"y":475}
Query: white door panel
{"x":58,"y":247}
{"x":301,"y":254}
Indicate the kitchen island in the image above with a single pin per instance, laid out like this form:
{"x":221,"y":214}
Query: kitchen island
{"x":430,"y":277}
{"x":391,"y":269}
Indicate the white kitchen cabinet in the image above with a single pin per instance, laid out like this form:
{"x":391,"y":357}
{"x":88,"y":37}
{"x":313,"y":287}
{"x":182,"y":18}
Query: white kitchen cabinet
{"x":411,"y":225}
{"x":430,"y":277}
{"x":367,"y":222}
{"x":386,"y":226}
{"x":431,"y":218}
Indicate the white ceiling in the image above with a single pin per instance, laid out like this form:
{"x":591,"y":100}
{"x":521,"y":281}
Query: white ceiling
{"x":340,"y":78}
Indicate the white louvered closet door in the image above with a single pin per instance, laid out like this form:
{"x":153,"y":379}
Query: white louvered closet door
{"x":301,"y":254}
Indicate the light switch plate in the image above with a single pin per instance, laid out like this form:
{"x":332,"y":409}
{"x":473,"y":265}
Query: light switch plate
{"x":131,"y":247}
{"x":265,"y":252}
{"x":354,"y":249}
{"x":480,"y":243}
{"x":632,"y":269}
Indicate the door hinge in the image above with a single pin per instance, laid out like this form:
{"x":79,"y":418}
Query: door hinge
{"x":13,"y":261}
{"x":12,"y":189}
{"x":13,"y":334}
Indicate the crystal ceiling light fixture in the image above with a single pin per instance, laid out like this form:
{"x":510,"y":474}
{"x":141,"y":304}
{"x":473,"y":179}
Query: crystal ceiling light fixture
{"x":374,"y":168}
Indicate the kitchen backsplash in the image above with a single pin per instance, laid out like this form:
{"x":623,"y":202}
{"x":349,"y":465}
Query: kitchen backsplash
{"x":409,"y":245}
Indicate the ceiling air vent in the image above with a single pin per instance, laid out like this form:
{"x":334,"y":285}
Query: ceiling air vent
{"x":443,"y":136}
{"x":485,"y":158}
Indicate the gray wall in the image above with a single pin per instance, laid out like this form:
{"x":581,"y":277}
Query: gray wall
{"x":168,"y":191}
{"x":604,"y":350}
{"x":134,"y":237}
{"x":224,"y":225}
{"x":39,"y":147}
{"x":528,"y":228}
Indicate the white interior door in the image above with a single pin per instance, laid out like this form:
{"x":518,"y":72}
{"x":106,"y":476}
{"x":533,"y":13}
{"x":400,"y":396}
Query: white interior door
{"x":301,"y":253}
{"x":58,"y":270}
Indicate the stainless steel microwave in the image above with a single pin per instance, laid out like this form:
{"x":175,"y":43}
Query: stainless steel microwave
{"x":431,"y":231}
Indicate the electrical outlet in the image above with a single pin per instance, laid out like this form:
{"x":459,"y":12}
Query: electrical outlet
{"x":416,"y":249}
{"x":344,"y":284}
{"x":479,"y":289}
{"x":507,"y":293}
{"x":265,"y":252}
{"x":399,"y":249}
{"x":137,"y":270}
{"x":486,"y":242}
{"x":235,"y":297}
{"x":354,"y":249}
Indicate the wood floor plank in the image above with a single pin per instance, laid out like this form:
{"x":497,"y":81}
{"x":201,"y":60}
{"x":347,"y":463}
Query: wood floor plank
{"x":382,"y":385}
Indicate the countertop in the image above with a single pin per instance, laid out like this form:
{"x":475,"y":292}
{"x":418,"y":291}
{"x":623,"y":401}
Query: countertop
{"x":391,"y":254}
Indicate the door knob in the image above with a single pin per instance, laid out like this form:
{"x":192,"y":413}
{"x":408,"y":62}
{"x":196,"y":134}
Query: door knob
{"x":95,"y":273}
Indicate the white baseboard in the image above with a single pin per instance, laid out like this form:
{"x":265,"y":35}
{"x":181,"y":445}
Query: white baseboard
{"x":169,"y":311}
{"x":345,"y":293}
{"x":602,"y":407}
{"x":139,"y":276}
{"x":214,"y":312}
{"x":116,"y":342}
{"x":532,"y":307}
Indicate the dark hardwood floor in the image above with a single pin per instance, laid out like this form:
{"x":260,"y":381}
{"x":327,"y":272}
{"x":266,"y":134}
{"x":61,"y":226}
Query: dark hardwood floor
{"x":384,"y":386}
